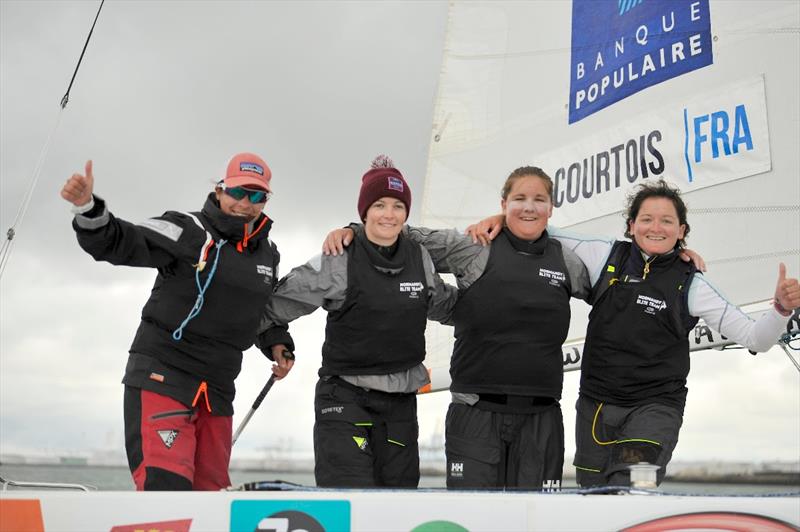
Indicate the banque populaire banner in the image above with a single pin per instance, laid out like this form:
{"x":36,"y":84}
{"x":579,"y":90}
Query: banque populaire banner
{"x":620,"y":47}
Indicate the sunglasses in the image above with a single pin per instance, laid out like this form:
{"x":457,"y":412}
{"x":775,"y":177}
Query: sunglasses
{"x":255,"y":196}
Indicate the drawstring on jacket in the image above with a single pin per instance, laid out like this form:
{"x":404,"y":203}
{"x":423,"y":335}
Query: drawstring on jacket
{"x":247,"y":235}
{"x":198,"y":304}
{"x":201,"y":264}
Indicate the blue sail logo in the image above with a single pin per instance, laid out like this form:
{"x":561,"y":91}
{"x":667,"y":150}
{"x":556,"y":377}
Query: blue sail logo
{"x":627,"y":5}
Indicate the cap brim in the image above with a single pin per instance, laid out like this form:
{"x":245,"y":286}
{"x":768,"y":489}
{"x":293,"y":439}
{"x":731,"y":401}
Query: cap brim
{"x":246,"y":181}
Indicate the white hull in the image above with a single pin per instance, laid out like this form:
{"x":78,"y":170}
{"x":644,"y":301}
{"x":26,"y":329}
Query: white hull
{"x":386,"y":510}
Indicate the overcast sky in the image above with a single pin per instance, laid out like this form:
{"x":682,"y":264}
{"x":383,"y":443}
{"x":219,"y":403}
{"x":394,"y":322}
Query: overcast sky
{"x":167,"y":92}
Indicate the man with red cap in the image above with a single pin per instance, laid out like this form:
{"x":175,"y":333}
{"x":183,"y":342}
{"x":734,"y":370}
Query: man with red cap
{"x":378,"y":295}
{"x":216,"y":270}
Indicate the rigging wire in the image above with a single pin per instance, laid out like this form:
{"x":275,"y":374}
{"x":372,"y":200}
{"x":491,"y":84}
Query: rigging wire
{"x":8,"y":243}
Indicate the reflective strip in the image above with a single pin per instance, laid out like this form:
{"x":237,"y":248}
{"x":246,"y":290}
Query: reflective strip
{"x":92,"y":223}
{"x":589,"y":469}
{"x":614,"y":442}
{"x":396,"y":442}
{"x":163,"y":228}
{"x":640,"y":440}
{"x":201,"y":261}
{"x":195,"y":219}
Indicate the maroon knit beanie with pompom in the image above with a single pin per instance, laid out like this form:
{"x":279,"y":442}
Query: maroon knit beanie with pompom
{"x":380,"y":181}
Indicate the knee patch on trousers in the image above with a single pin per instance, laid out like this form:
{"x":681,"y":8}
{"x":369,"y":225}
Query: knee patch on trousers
{"x":157,"y":479}
{"x":633,"y":452}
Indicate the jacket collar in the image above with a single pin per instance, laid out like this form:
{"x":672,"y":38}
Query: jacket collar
{"x":231,"y":227}
{"x":637,"y":259}
{"x":382,"y":262}
{"x":529,"y":247}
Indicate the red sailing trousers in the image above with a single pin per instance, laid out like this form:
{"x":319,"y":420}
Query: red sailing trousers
{"x":174,"y":447}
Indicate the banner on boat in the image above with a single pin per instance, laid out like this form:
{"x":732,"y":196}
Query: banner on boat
{"x":716,"y":137}
{"x":620,"y":47}
{"x":289,"y":516}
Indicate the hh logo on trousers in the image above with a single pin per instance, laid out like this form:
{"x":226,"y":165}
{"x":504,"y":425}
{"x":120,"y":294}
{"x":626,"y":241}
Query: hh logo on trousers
{"x":456,"y":469}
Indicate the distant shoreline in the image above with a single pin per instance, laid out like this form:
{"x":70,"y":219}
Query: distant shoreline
{"x":777,"y":478}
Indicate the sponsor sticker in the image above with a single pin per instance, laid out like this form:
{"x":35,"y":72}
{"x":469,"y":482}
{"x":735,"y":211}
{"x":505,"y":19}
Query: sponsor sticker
{"x":712,"y":521}
{"x":639,"y":44}
{"x":180,"y":525}
{"x":291,"y":515}
{"x":439,"y":526}
{"x":704,"y":140}
{"x":21,"y":515}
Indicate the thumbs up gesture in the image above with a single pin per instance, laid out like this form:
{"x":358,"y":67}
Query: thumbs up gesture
{"x":78,"y":188}
{"x":787,"y":292}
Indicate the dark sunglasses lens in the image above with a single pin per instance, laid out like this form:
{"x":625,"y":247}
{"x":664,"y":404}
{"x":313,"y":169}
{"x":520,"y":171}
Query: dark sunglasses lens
{"x":237,"y":193}
{"x":257,"y":196}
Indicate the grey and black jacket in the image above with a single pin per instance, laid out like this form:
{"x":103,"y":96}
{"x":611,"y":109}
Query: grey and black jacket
{"x":377,"y":308}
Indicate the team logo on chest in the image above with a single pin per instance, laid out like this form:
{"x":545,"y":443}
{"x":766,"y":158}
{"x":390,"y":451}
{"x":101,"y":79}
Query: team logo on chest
{"x":555,"y":278}
{"x":413,"y":289}
{"x":266,"y":271}
{"x":651,"y":305}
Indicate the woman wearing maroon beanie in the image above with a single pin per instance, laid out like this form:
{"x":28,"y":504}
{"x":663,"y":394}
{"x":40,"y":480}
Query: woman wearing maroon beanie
{"x":504,"y":427}
{"x":379,"y":295}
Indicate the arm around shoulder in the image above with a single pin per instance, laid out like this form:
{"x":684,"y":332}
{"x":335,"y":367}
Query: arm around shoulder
{"x":450,"y":250}
{"x":443,"y":296}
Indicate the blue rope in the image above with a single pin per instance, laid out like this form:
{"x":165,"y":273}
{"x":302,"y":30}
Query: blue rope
{"x":198,"y":304}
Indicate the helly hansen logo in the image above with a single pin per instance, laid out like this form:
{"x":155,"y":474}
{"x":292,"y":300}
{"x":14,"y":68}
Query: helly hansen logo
{"x":651,"y":305}
{"x":332,"y":410}
{"x":412,"y":289}
{"x":168,"y":437}
{"x":551,"y":485}
{"x":456,"y":469}
{"x":556,"y":278}
{"x":395,"y":183}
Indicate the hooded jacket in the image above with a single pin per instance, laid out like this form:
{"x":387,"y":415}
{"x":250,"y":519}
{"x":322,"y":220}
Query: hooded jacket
{"x":238,"y":263}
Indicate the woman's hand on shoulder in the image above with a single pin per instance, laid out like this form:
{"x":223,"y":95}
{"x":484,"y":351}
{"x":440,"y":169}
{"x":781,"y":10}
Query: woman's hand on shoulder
{"x":336,"y":241}
{"x":689,"y":255}
{"x":486,"y":230}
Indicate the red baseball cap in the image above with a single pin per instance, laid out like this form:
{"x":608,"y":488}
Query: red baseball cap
{"x":248,"y":169}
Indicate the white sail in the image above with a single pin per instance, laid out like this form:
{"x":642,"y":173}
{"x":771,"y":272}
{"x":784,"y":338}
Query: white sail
{"x":507,"y":95}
